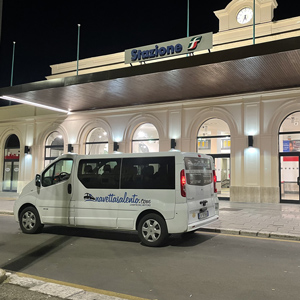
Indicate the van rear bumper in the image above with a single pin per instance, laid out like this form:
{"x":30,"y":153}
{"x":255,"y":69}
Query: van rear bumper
{"x":199,"y":224}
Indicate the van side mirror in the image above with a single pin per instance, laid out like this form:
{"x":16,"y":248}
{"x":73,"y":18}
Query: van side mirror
{"x":38,"y":180}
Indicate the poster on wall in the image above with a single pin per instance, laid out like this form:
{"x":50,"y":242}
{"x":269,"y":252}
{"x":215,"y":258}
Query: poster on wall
{"x":291,"y":146}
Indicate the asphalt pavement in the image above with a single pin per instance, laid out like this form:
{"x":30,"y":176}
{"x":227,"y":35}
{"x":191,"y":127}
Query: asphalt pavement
{"x":266,"y":220}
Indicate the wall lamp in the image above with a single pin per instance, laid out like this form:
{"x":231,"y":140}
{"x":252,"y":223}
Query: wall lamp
{"x":70,"y":148}
{"x":116,"y":146}
{"x":26,"y":150}
{"x":173,"y":144}
{"x":250,"y":140}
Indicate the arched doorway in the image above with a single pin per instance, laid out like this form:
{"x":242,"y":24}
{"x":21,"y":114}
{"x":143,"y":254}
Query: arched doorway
{"x":145,"y":139}
{"x":54,"y":147}
{"x":289,"y":154}
{"x":214,"y":139}
{"x":11,"y":164}
{"x":96,"y":142}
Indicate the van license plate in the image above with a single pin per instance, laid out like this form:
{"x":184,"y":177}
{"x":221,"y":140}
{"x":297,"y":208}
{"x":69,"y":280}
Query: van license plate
{"x":203,"y":215}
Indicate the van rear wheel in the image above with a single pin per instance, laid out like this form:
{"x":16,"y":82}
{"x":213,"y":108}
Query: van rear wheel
{"x":152,"y":230}
{"x":30,"y":221}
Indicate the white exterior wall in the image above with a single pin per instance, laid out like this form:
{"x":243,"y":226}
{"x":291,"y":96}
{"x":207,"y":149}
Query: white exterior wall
{"x":254,"y":171}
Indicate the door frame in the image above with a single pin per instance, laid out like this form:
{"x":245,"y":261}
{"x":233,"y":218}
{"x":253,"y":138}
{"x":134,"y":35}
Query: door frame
{"x":223,"y":155}
{"x":12,"y":161}
{"x":282,"y":154}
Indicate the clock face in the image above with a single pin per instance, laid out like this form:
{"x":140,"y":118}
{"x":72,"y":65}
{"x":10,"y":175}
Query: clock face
{"x":244,"y":15}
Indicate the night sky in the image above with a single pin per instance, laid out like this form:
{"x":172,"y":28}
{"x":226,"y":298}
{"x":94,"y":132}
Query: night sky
{"x":45,"y":31}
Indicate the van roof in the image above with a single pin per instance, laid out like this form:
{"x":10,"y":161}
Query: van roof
{"x":149,"y":154}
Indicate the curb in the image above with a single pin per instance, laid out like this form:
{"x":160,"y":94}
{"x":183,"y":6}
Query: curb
{"x":6,"y":212}
{"x":2,"y":276}
{"x":53,"y":288}
{"x":261,"y":234}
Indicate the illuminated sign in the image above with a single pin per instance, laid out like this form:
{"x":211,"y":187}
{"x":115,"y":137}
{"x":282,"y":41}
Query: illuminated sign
{"x":168,"y":49}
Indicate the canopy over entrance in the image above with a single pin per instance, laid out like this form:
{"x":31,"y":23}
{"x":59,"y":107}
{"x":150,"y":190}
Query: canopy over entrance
{"x":256,"y":68}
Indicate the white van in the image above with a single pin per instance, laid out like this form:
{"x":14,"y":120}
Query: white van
{"x":154,"y":193}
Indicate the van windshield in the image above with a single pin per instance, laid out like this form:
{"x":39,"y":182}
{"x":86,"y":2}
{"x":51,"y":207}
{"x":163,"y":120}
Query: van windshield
{"x":198,"y":171}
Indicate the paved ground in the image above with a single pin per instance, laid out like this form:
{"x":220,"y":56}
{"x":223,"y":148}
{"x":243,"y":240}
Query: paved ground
{"x":264,"y":220}
{"x":281,"y":221}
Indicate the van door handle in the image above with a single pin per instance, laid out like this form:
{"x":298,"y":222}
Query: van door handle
{"x":69,"y":188}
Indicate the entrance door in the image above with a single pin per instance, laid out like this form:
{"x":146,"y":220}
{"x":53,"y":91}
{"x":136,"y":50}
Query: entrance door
{"x":222,"y":166}
{"x":11,"y":164}
{"x":10,"y":176}
{"x":289,"y":178}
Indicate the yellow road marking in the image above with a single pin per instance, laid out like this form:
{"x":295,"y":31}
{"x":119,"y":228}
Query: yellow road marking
{"x":85,"y":288}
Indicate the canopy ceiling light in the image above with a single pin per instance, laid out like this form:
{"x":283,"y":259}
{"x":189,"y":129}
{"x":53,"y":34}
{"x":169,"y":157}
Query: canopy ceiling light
{"x":33,"y":104}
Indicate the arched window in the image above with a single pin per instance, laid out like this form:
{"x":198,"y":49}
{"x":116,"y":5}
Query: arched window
{"x":11,"y":164}
{"x":289,"y":134}
{"x":96,"y":142}
{"x":289,"y":154}
{"x":214,"y":139}
{"x":54,"y":147}
{"x":145,"y":139}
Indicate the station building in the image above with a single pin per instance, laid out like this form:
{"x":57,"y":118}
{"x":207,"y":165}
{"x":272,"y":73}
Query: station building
{"x":238,"y":100}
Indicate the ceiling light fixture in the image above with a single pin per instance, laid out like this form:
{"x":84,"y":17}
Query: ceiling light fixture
{"x":34,"y":104}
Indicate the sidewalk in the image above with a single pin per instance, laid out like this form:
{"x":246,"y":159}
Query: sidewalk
{"x":7,"y":205}
{"x":15,"y":286}
{"x":268,"y":220}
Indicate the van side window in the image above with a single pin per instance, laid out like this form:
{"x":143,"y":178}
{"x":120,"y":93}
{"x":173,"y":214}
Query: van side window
{"x":57,"y":172}
{"x":99,"y":173}
{"x":148,"y":173}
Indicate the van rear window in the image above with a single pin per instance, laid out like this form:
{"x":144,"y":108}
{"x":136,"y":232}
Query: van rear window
{"x":198,"y":171}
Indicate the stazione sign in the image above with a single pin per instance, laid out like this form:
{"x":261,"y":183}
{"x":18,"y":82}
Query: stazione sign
{"x":168,"y":49}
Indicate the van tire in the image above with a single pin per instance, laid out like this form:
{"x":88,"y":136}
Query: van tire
{"x":152,"y":230}
{"x":30,"y":221}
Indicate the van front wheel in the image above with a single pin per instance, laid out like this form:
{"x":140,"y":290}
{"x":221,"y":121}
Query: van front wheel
{"x":30,"y":220}
{"x":152,"y":230}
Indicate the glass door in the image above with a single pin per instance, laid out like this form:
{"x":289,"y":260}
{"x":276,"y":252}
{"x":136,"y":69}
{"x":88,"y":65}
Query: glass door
{"x":222,"y":166}
{"x":15,"y":176}
{"x":10,"y":176}
{"x":7,"y":176}
{"x":289,"y":178}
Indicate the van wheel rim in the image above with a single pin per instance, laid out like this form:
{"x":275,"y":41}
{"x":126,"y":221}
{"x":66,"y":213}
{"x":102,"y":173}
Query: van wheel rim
{"x":29,"y":220}
{"x":151,"y":230}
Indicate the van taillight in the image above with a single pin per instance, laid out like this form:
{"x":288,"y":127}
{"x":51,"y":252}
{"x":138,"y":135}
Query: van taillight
{"x":182,"y":183}
{"x":215,"y":181}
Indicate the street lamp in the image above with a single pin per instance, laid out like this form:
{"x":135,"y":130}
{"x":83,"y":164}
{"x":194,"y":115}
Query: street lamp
{"x":188,"y":18}
{"x":78,"y":38}
{"x":12,"y":64}
{"x":253,"y":22}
